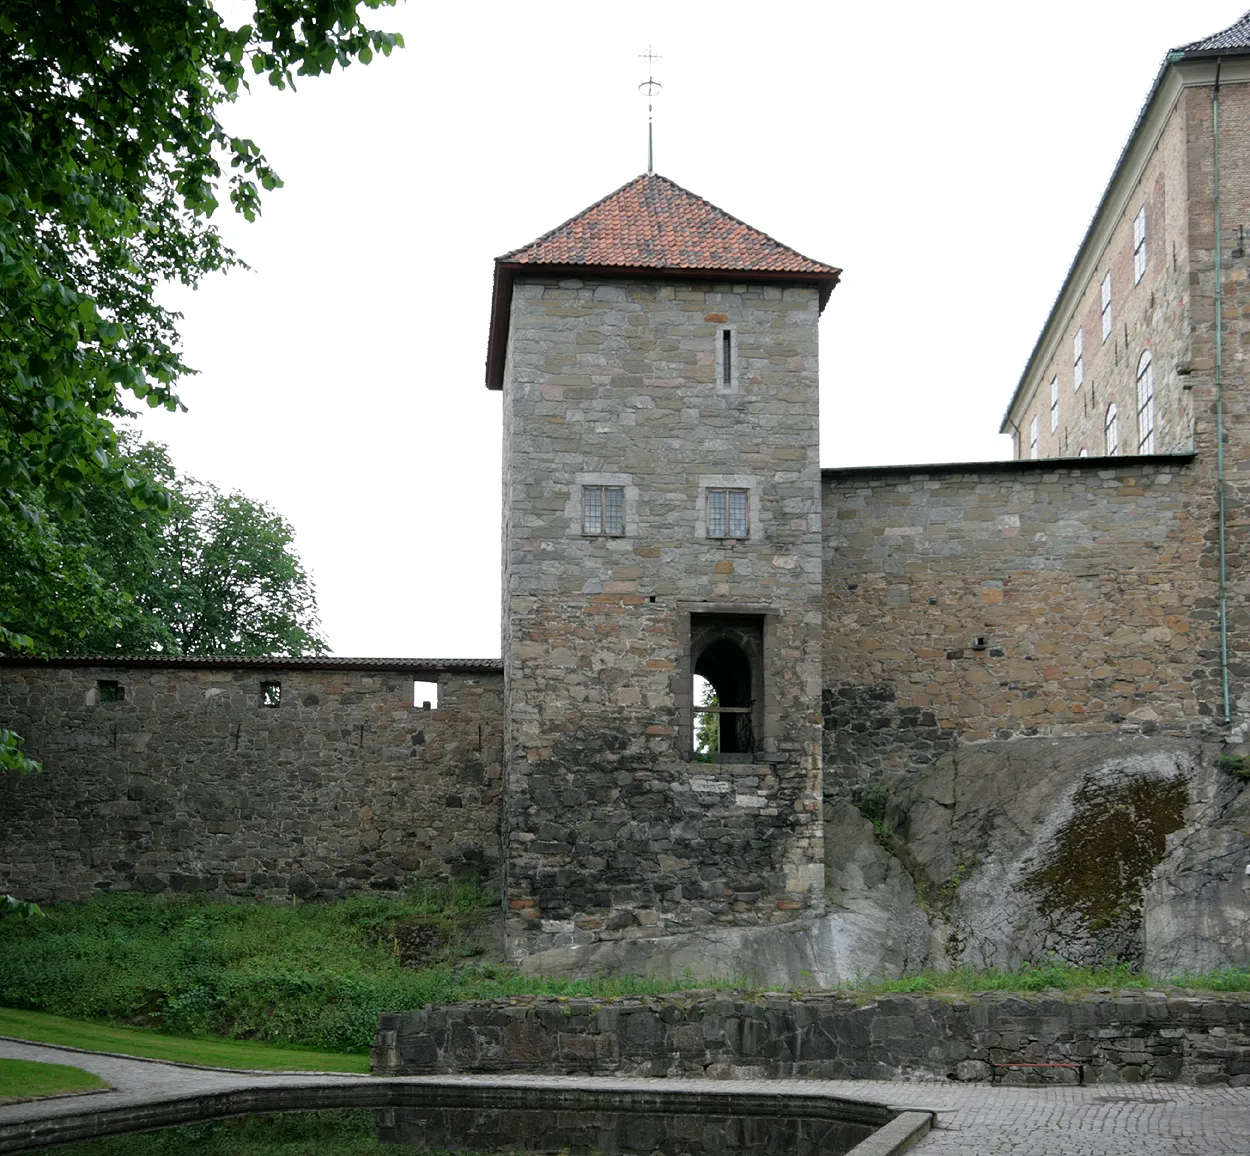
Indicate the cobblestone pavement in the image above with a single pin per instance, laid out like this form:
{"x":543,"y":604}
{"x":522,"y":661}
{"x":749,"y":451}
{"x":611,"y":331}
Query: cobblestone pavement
{"x":973,"y":1120}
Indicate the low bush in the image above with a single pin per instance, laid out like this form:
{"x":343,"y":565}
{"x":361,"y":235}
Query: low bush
{"x":314,"y":975}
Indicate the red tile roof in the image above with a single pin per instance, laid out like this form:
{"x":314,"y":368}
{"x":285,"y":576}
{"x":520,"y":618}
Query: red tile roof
{"x":650,"y":223}
{"x":653,"y":223}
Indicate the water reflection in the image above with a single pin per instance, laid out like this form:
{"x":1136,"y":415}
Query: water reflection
{"x":465,"y":1131}
{"x":616,"y":1133}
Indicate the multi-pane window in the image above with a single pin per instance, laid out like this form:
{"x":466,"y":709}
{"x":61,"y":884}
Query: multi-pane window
{"x":728,"y":514}
{"x":1145,"y":405}
{"x":603,"y":510}
{"x":1078,"y":360}
{"x":1054,"y":404}
{"x":1106,"y":307}
{"x":1112,"y":430}
{"x":1139,"y":244}
{"x":1033,"y":437}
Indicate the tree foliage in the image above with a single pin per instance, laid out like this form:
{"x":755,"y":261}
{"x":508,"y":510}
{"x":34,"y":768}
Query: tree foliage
{"x":213,"y":573}
{"x":113,"y":158}
{"x":112,"y":161}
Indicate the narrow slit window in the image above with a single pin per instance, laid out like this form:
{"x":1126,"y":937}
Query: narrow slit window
{"x":1106,"y":307}
{"x":1139,"y":245}
{"x":603,"y":510}
{"x":728,"y":514}
{"x":726,"y":358}
{"x":1078,"y":360}
{"x":1033,"y":437}
{"x":271,"y":694}
{"x":1054,"y":404}
{"x":1145,"y":404}
{"x":1112,"y":430}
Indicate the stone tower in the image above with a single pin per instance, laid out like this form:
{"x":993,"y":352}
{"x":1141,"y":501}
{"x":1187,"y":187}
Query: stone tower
{"x":662,"y":519}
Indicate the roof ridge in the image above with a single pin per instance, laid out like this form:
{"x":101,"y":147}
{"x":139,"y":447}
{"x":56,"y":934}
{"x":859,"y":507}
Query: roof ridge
{"x":738,"y":220}
{"x":1236,"y":35}
{"x":565,"y":223}
{"x":652,"y":222}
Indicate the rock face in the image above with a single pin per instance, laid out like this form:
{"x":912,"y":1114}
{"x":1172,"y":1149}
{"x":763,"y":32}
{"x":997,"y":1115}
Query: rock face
{"x":1132,"y":1036}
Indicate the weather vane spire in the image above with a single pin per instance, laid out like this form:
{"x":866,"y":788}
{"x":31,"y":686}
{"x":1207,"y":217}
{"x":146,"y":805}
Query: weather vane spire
{"x":650,"y":88}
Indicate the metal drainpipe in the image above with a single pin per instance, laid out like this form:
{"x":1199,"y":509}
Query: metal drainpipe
{"x":1219,"y":392}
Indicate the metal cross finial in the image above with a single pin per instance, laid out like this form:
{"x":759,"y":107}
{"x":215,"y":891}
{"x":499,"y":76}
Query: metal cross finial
{"x":649,"y":88}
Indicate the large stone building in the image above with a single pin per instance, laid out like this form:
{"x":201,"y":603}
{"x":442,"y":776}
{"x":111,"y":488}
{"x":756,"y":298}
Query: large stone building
{"x":984,"y":712}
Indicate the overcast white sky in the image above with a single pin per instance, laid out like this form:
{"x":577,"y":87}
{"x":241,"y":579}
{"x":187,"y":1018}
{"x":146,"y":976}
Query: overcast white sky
{"x":947,"y":156}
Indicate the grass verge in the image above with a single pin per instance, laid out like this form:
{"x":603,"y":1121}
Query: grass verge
{"x":42,"y":1028}
{"x":315,"y":975}
{"x":1060,"y":977}
{"x":29,"y":1080}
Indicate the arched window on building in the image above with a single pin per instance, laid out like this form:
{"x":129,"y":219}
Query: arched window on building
{"x":1145,"y":404}
{"x":1084,"y":453}
{"x":727,"y":661}
{"x":1112,"y":430}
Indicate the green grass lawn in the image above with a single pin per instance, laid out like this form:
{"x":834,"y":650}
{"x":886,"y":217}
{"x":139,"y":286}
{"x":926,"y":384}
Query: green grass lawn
{"x":48,"y":1029}
{"x":26,"y":1080}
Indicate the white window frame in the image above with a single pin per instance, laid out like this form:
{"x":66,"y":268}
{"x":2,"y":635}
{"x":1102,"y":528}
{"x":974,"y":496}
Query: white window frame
{"x":1111,"y":430}
{"x":1106,"y":306}
{"x":1139,"y":245}
{"x":1078,"y":360}
{"x":1033,"y":437}
{"x":720,"y":501}
{"x":1146,"y":404}
{"x":595,"y":500}
{"x":1054,"y":403}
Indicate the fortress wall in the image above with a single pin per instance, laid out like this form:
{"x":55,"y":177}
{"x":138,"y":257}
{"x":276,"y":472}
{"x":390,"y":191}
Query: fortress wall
{"x":977,"y":603}
{"x":189,"y":783}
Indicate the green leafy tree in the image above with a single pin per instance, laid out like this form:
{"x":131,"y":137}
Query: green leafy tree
{"x":113,"y":158}
{"x":214,"y":573}
{"x":707,"y":726}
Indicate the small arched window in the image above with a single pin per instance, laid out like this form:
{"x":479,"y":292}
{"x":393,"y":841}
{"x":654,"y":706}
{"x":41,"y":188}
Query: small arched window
{"x":1084,"y":453}
{"x":726,"y":653}
{"x":1145,"y":404}
{"x":1112,"y":430}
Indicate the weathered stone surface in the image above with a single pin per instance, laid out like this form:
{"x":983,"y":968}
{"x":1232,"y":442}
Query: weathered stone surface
{"x":1139,"y":1037}
{"x":190,"y":784}
{"x":613,"y":832}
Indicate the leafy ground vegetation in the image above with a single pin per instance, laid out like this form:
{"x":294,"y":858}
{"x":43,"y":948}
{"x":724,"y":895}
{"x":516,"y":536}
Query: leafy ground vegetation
{"x":26,"y":1079}
{"x":316,"y":975}
{"x":1062,"y":977}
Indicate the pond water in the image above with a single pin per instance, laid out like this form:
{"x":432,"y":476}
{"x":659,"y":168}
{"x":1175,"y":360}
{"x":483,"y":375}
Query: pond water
{"x":470,"y":1131}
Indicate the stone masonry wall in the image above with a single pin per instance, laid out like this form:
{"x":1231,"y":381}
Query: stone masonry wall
{"x":1127,"y":1037}
{"x":967,"y":603}
{"x":612,"y":830}
{"x":189,"y":783}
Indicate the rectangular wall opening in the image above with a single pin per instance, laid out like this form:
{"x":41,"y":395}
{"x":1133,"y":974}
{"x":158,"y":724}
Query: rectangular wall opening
{"x":425,"y":695}
{"x":727,"y":691}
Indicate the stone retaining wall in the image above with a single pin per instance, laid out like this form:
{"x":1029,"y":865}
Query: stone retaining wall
{"x":1119,"y":1037}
